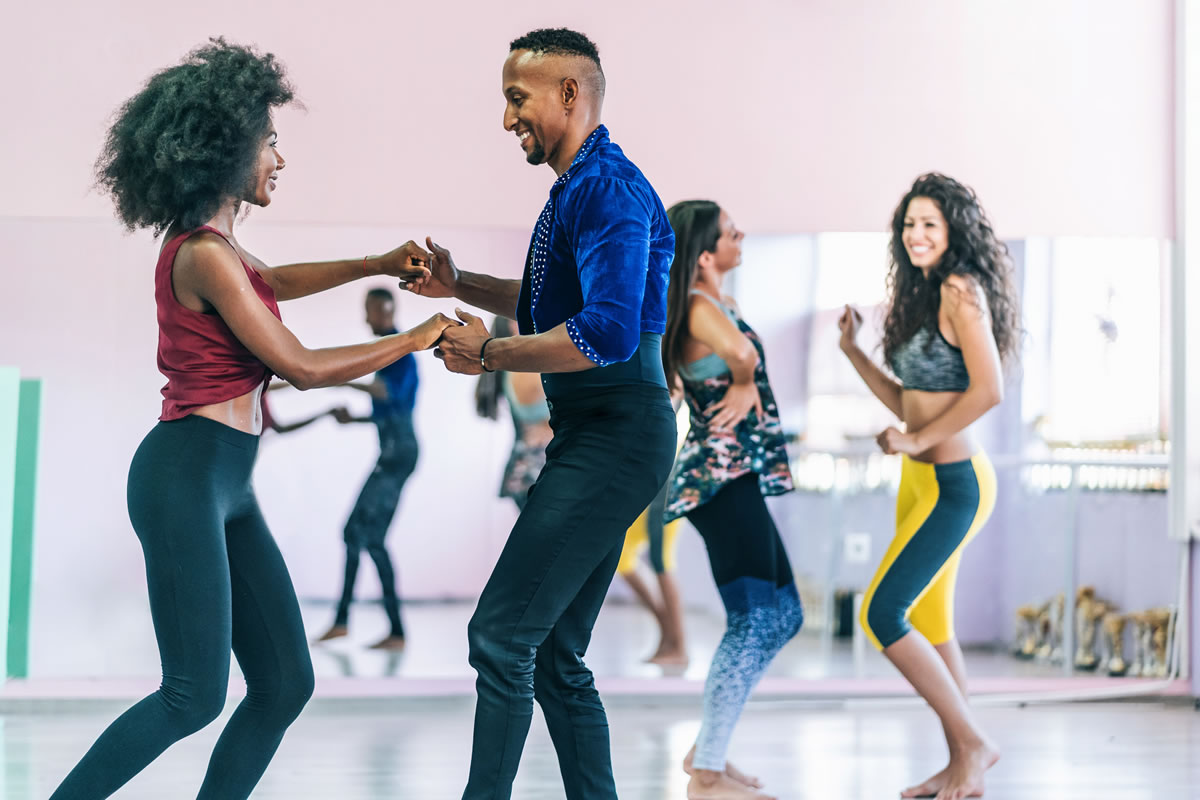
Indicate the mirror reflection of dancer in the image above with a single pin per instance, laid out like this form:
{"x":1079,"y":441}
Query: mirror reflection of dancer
{"x":270,"y":423}
{"x":393,"y":396}
{"x":733,"y":456}
{"x":590,"y":309}
{"x":522,"y":392}
{"x":650,"y":535}
{"x":953,"y":319}
{"x":181,"y":159}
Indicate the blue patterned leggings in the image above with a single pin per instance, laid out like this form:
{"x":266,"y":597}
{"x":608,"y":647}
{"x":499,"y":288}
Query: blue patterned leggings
{"x":762,"y":607}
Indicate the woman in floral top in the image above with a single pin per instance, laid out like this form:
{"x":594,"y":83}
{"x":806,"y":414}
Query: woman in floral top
{"x":734,"y":455}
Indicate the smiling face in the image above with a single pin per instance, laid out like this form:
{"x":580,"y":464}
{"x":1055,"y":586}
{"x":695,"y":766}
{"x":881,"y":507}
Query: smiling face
{"x":926,"y":236}
{"x":537,"y":102}
{"x":266,"y":171}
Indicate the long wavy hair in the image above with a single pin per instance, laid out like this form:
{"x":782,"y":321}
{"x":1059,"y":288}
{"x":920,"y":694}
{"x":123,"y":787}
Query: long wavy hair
{"x":697,"y":226}
{"x":973,"y":250}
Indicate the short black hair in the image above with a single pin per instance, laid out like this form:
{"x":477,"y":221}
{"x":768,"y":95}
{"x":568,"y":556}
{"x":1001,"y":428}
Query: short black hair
{"x":190,"y":138}
{"x":381,"y":294}
{"x":559,"y":41}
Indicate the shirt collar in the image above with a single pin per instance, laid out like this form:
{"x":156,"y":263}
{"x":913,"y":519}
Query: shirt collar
{"x":597,"y":137}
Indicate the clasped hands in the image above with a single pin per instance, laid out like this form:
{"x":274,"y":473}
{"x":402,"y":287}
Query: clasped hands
{"x":431,"y":273}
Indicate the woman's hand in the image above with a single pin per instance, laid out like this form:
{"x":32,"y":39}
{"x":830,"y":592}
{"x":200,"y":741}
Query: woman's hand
{"x":849,"y":324}
{"x":893,"y":441}
{"x":739,"y":400}
{"x":427,"y":334}
{"x":409,"y":261}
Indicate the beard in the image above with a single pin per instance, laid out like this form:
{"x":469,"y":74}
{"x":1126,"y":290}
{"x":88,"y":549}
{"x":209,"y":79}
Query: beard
{"x":537,"y":154}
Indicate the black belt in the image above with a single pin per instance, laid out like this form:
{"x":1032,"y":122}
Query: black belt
{"x":642,"y":368}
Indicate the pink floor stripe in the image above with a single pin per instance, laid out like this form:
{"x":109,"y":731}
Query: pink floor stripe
{"x":349,"y":688}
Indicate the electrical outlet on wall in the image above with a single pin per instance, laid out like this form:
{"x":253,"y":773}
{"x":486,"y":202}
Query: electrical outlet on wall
{"x":857,"y":548}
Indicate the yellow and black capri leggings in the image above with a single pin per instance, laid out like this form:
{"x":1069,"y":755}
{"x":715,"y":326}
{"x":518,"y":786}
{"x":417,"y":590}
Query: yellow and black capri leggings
{"x":939,"y":509}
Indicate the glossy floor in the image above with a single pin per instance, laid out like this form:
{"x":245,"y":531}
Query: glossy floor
{"x":419,"y":749}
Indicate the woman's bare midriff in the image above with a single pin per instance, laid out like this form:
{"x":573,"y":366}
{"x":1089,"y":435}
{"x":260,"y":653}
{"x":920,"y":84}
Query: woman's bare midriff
{"x":242,"y":413}
{"x":921,"y":408}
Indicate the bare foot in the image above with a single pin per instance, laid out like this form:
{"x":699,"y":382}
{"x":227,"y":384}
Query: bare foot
{"x":390,"y":643}
{"x":929,"y":788}
{"x":708,"y":785}
{"x":962,"y":778}
{"x":730,"y":770}
{"x":669,"y":658}
{"x":336,"y":632}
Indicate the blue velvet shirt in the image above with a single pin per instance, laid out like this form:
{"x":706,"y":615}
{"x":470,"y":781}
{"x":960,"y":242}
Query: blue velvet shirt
{"x":600,"y":256}
{"x":400,"y":378}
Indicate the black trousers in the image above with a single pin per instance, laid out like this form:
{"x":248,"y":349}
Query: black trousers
{"x":373,"y":513}
{"x":612,"y":450}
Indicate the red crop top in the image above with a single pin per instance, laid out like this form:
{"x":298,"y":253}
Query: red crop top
{"x":203,"y":361}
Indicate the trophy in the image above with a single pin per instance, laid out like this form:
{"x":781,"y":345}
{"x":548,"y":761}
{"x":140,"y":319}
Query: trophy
{"x":1088,"y":610}
{"x":1050,"y":625}
{"x":1139,"y":644}
{"x":1158,"y":625}
{"x":1114,"y":639}
{"x":1026,"y":643}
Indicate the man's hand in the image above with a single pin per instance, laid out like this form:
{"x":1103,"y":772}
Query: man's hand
{"x":409,"y":262}
{"x":459,"y":347}
{"x":440,"y":280}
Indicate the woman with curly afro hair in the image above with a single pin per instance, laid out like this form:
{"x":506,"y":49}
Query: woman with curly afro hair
{"x":183,"y":156}
{"x":953,"y":321}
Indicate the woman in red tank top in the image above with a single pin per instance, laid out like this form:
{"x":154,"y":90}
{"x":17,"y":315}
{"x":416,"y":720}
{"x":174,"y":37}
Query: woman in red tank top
{"x":182,"y":158}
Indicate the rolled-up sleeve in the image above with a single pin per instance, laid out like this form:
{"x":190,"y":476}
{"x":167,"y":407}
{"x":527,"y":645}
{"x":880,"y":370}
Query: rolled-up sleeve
{"x":610,"y":235}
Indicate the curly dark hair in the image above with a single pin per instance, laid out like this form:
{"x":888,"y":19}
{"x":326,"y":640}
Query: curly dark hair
{"x":189,"y":140}
{"x":697,"y":226}
{"x":560,"y":41}
{"x":973,"y":251}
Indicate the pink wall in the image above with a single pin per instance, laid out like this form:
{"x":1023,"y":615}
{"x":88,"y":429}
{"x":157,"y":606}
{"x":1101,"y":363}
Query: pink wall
{"x":800,"y":116}
{"x":809,"y":116}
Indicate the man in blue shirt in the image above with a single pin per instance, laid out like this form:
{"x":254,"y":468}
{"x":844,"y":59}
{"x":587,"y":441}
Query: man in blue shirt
{"x":393,"y":395}
{"x":591,"y":310}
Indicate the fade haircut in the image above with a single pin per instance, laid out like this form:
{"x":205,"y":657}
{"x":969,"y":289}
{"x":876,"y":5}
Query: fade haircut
{"x":562,"y":42}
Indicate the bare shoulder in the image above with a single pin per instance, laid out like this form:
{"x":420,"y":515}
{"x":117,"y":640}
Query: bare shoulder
{"x":206,"y":250}
{"x":701,"y":305}
{"x":207,"y":260}
{"x":963,"y":294}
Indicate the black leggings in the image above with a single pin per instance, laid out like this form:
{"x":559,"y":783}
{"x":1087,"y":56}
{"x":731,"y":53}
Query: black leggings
{"x":217,"y":582}
{"x":763,"y":610}
{"x":741,"y":536}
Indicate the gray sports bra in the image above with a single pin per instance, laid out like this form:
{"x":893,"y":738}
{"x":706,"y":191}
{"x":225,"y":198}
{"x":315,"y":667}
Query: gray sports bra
{"x":929,"y":363}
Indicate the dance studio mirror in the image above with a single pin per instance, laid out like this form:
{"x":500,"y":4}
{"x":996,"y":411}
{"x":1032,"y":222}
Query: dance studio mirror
{"x":1073,"y":579}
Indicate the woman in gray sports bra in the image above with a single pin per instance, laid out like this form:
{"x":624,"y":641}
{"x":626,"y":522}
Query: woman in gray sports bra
{"x":952,"y":321}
